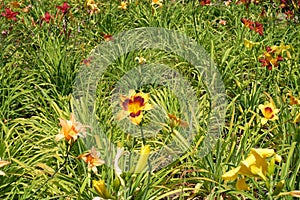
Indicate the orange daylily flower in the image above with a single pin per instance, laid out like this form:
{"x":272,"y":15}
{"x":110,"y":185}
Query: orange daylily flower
{"x":133,"y":105}
{"x":92,"y":158}
{"x":269,"y":112}
{"x":70,"y":130}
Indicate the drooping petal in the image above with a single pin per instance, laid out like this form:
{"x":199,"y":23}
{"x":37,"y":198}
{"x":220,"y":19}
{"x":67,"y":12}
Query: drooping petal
{"x":232,"y":174}
{"x":242,"y":185}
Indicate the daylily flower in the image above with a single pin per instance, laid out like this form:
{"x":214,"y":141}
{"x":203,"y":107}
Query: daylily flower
{"x":92,"y":158}
{"x":249,"y":44}
{"x":255,"y":165}
{"x":222,"y":22}
{"x":133,"y":105}
{"x":2,"y":164}
{"x":278,"y":50}
{"x":242,"y":185}
{"x":255,"y":26}
{"x":269,"y":112}
{"x":123,"y":5}
{"x":175,"y":121}
{"x":157,"y":3}
{"x":101,"y":189}
{"x":64,"y":8}
{"x":93,"y":6}
{"x":270,"y":60}
{"x":204,"y":2}
{"x":70,"y":129}
{"x":47,"y":17}
{"x":9,"y":14}
{"x":143,"y":160}
{"x":227,"y":3}
{"x":15,"y":4}
{"x":140,"y":60}
{"x":108,"y":37}
{"x":293,"y":100}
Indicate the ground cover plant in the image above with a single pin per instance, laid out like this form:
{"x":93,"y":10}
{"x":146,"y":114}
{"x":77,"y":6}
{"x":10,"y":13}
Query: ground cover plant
{"x":43,"y":150}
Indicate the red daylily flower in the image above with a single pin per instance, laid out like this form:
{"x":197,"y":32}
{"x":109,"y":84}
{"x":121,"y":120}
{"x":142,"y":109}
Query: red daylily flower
{"x":204,"y":2}
{"x":64,"y":8}
{"x":47,"y":17}
{"x":259,"y":28}
{"x":9,"y":14}
{"x":247,"y":23}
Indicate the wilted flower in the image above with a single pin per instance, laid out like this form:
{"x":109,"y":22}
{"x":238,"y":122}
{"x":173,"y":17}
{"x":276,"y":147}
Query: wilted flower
{"x":255,"y":165}
{"x":92,"y":158}
{"x":123,"y":5}
{"x":2,"y":164}
{"x":176,"y":121}
{"x":70,"y":129}
{"x":107,"y":37}
{"x":269,"y":112}
{"x":249,"y":44}
{"x":133,"y":105}
{"x":9,"y":14}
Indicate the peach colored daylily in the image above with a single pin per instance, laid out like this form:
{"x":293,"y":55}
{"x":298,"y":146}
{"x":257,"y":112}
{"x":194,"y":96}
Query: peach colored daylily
{"x":92,"y":158}
{"x":269,"y":112}
{"x":2,"y":164}
{"x":133,"y":105}
{"x":70,"y":130}
{"x":255,"y":165}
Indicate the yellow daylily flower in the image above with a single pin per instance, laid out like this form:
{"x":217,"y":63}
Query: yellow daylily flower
{"x":282,"y":48}
{"x":269,"y":112}
{"x":255,"y":165}
{"x":133,"y":105}
{"x":249,"y":44}
{"x":93,"y":6}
